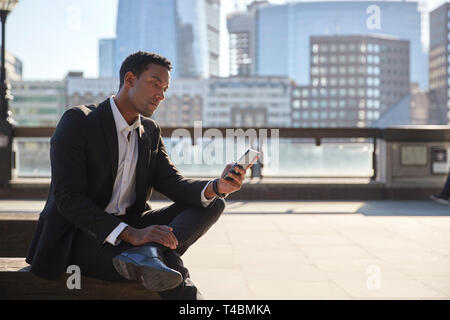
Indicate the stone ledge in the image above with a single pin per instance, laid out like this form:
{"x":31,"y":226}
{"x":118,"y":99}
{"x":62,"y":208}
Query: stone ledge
{"x":16,"y":282}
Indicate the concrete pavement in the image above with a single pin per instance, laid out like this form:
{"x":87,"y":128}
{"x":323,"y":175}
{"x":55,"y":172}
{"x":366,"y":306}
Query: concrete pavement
{"x":318,"y":250}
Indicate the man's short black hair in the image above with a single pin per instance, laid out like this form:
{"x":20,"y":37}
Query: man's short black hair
{"x":137,"y":63}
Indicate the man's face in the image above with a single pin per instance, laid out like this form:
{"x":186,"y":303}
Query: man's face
{"x":147,"y":91}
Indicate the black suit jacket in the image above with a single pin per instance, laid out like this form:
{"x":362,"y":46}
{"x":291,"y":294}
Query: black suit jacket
{"x":84,"y":159}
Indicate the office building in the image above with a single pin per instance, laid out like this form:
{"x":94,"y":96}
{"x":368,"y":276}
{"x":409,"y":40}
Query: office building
{"x":37,"y":103}
{"x":80,"y":90}
{"x":187,"y":32}
{"x":248,"y":102}
{"x":283,"y":33}
{"x":106,"y":56}
{"x":183,"y":103}
{"x":439,"y":62}
{"x":354,"y":79}
{"x":242,"y":31}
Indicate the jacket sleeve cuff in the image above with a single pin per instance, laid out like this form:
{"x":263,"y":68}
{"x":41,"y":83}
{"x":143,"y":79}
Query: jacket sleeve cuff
{"x":206,"y":202}
{"x":112,"y":238}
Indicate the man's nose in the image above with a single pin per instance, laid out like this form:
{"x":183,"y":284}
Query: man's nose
{"x":160,"y":95}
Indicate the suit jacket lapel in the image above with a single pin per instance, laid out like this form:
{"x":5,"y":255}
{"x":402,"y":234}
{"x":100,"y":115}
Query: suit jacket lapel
{"x":109,"y":128}
{"x":142,"y":165}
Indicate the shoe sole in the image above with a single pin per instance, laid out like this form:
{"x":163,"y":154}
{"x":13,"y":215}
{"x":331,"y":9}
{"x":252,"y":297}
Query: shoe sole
{"x":441,"y":201}
{"x":152,"y":278}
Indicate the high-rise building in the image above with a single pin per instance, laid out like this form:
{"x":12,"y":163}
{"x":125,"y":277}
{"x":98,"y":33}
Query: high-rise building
{"x":354,"y":79}
{"x":187,"y":32}
{"x":106,"y":56}
{"x":439,"y":62}
{"x":147,"y":25}
{"x":283,"y":32}
{"x":37,"y":103}
{"x":242,"y":30}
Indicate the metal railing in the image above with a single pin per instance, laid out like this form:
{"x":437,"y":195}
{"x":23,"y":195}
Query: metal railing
{"x":371,"y":135}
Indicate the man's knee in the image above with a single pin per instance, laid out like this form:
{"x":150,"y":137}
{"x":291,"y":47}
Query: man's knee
{"x":216,"y":208}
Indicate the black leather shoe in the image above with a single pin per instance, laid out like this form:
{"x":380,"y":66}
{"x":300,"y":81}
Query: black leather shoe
{"x":146,"y":263}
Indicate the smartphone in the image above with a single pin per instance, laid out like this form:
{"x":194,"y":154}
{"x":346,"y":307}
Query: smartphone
{"x":245,"y":161}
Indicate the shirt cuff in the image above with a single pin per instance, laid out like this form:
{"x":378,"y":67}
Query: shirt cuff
{"x":205,"y":202}
{"x":112,"y":238}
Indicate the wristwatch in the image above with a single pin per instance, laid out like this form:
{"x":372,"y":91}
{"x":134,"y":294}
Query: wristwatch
{"x":216,"y":189}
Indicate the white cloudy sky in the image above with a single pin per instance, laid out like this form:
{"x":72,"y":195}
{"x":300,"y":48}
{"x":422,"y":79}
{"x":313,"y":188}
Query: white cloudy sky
{"x":52,"y":37}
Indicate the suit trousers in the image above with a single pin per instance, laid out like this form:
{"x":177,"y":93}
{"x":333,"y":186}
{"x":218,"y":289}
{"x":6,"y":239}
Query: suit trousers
{"x":188,"y":223}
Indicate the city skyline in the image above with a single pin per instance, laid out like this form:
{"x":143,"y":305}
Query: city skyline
{"x":75,"y":31}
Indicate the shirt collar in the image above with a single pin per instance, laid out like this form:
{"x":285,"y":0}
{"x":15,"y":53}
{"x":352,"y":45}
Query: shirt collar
{"x":121,"y":124}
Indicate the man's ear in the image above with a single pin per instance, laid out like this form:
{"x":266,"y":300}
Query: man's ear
{"x":129,"y":79}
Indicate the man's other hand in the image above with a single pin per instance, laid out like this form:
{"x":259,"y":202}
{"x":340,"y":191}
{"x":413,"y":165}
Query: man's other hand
{"x":155,"y":233}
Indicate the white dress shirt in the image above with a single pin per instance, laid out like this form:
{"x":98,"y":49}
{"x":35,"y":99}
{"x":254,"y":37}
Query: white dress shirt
{"x":124,"y":193}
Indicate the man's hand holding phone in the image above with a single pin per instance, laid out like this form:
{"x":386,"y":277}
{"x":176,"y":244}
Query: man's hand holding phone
{"x":233,"y":180}
{"x":232,"y":176}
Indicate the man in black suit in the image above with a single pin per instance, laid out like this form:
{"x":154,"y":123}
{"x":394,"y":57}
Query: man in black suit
{"x":105,"y":161}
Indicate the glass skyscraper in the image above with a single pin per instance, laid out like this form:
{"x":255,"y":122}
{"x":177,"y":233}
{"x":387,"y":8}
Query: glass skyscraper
{"x":106,"y":56}
{"x":184,"y":31}
{"x":148,"y":26}
{"x":284,"y":31}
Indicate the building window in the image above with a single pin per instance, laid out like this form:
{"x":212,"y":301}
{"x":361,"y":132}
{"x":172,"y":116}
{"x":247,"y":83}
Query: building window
{"x":305,"y":93}
{"x":315,"y":59}
{"x":315,"y":48}
{"x":296,"y":104}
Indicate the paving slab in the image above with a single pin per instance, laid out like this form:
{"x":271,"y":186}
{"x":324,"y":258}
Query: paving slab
{"x":317,"y":250}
